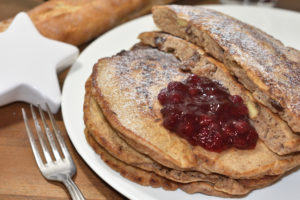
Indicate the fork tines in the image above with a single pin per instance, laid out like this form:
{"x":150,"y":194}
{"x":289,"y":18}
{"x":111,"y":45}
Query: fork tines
{"x":41,"y":137}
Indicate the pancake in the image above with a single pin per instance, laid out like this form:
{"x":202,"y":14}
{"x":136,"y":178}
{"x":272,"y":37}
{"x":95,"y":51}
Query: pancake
{"x":146,"y":178}
{"x":273,"y":131}
{"x":261,"y":63}
{"x":126,"y":87}
{"x":105,"y":136}
{"x":132,"y":173}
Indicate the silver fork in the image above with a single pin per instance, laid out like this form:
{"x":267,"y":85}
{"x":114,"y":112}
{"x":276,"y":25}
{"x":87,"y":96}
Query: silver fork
{"x":60,"y":169}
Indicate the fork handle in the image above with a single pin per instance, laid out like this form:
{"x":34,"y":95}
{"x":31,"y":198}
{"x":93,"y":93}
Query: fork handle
{"x":73,"y":189}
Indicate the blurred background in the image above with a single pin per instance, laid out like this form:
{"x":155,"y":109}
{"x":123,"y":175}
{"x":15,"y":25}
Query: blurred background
{"x":9,"y":8}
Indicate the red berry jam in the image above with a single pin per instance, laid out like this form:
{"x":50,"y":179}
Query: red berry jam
{"x":204,"y":113}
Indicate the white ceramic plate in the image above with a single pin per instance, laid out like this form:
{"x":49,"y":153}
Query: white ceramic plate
{"x":284,"y":25}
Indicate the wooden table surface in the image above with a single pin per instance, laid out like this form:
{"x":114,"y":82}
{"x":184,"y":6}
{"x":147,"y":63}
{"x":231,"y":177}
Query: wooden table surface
{"x":20,"y":178}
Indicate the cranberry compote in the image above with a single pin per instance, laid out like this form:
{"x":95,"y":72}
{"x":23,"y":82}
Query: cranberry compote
{"x":203,"y":112}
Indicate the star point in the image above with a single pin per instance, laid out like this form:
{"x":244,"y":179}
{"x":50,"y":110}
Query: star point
{"x":29,"y":64}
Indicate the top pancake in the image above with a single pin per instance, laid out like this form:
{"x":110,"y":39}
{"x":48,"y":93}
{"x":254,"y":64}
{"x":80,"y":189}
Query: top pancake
{"x":126,"y":88}
{"x":263,"y":64}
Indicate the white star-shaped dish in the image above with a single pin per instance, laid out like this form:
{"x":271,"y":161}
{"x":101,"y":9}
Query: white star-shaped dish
{"x":29,"y":63}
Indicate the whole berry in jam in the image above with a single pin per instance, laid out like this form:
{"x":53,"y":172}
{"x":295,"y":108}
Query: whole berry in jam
{"x":204,"y":113}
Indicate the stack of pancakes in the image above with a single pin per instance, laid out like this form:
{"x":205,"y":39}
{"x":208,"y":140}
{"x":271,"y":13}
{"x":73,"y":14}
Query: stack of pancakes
{"x":122,"y":112}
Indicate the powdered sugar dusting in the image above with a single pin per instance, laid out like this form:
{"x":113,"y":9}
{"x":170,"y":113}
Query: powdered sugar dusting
{"x":133,"y":80}
{"x":254,"y":50}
